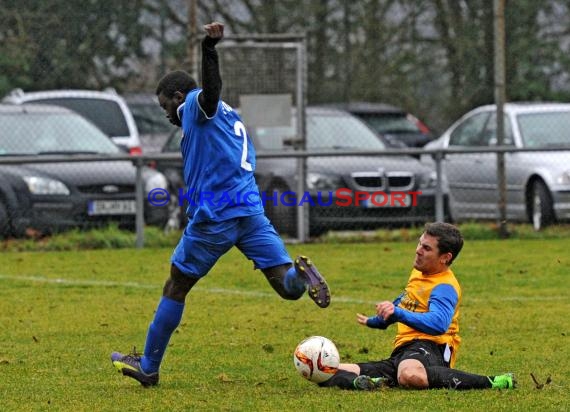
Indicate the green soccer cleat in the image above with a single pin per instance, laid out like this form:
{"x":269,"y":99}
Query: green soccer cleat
{"x":366,"y":383}
{"x":130,"y":365}
{"x":506,"y":381}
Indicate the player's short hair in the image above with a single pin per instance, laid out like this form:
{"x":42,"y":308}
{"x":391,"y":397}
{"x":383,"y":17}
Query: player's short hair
{"x":449,"y":238}
{"x":176,"y":81}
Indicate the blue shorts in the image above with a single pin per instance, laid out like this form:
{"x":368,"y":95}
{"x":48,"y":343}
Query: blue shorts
{"x":202,"y":244}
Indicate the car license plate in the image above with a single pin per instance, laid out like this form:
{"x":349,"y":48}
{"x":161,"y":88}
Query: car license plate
{"x":111,"y":207}
{"x":388,"y":200}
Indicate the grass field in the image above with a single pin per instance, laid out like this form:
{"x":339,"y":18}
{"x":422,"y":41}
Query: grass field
{"x":63,"y":313}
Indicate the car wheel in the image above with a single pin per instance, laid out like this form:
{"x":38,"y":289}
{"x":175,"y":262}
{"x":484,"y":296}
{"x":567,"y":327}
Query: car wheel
{"x":282,"y":217}
{"x":4,"y":222}
{"x":541,"y":212}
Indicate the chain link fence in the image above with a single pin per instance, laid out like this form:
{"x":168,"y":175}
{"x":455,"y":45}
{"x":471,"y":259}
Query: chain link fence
{"x":536,"y":162}
{"x":56,"y":192}
{"x":318,"y":168}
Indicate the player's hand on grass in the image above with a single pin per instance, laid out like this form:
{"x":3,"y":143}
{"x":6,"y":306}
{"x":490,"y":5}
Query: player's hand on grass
{"x":362,"y":319}
{"x":215,"y":30}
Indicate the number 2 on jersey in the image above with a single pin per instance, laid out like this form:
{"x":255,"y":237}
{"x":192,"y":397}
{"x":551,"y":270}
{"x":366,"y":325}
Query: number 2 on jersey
{"x":239,"y":130}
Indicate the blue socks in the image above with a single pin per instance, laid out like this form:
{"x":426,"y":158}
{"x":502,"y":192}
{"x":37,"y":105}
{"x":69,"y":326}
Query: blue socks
{"x":166,"y":320}
{"x":294,"y":284}
{"x":169,"y":313}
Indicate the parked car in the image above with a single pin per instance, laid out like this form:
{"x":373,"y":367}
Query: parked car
{"x":152,"y":124}
{"x":106,"y":110}
{"x":52,"y":197}
{"x":332,"y":129}
{"x":538,"y":183}
{"x":400,"y":128}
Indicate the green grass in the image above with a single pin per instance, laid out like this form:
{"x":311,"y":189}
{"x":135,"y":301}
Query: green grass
{"x":62,"y":314}
{"x":113,"y":238}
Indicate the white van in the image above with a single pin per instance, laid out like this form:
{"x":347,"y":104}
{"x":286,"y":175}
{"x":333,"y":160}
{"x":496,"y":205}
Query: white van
{"x":106,"y":109}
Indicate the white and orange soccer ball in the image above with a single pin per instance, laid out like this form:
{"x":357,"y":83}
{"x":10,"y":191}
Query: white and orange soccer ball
{"x":316,"y":358}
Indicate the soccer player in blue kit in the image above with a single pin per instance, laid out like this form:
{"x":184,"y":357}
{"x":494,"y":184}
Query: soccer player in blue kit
{"x":218,"y":166}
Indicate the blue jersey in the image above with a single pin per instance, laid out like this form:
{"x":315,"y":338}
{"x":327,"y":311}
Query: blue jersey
{"x":218,"y":163}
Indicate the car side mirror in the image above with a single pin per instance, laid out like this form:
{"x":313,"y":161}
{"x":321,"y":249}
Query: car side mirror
{"x":292,"y":142}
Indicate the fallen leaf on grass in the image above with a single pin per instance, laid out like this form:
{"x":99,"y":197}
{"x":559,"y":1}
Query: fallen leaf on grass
{"x":224,"y":378}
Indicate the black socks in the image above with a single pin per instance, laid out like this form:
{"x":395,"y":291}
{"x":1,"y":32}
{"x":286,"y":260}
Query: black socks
{"x":442,"y":377}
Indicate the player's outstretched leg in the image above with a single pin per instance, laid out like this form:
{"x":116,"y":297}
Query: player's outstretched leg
{"x":316,"y":285}
{"x":144,"y":367}
{"x":443,"y":377}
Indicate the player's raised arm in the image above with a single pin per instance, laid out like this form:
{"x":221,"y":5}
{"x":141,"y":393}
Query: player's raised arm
{"x":211,"y":78}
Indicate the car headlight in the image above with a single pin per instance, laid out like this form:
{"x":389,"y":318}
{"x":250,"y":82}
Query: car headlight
{"x":45,"y":186}
{"x":154,"y":180}
{"x":564,"y":178}
{"x":428,"y":180}
{"x":319,"y":181}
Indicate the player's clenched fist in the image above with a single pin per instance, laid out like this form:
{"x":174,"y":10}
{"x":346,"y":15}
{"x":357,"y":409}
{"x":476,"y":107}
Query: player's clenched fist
{"x":215,"y":30}
{"x":385,"y":309}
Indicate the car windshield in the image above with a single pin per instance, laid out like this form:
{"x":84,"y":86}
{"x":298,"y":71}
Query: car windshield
{"x":39,"y":133}
{"x":545,"y":129}
{"x":105,"y":114}
{"x":150,"y":118}
{"x":173,"y":142}
{"x":390,"y":123}
{"x":324,"y":132}
{"x":340,"y":132}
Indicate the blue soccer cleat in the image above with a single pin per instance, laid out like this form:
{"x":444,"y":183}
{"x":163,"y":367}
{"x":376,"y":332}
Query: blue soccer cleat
{"x":316,"y":285}
{"x":130,"y":365}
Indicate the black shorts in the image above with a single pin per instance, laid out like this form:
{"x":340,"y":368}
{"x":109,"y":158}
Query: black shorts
{"x":427,"y":352}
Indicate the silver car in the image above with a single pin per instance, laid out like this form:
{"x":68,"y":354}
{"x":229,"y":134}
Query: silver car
{"x":49,"y":197}
{"x":538,"y":183}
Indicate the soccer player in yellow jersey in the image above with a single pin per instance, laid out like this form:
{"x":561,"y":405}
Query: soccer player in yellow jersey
{"x":426,"y":314}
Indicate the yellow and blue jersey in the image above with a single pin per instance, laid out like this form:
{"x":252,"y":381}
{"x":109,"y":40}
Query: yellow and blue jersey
{"x":428,"y":309}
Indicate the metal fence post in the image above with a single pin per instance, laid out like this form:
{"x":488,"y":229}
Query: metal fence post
{"x":500,"y":98}
{"x":303,"y":210}
{"x":439,"y":212}
{"x":139,"y":244}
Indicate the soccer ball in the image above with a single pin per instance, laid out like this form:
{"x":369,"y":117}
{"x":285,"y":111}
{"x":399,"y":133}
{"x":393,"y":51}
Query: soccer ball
{"x":316,"y":359}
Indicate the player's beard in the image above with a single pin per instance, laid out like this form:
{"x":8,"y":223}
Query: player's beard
{"x":417,"y":263}
{"x":175,"y":121}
